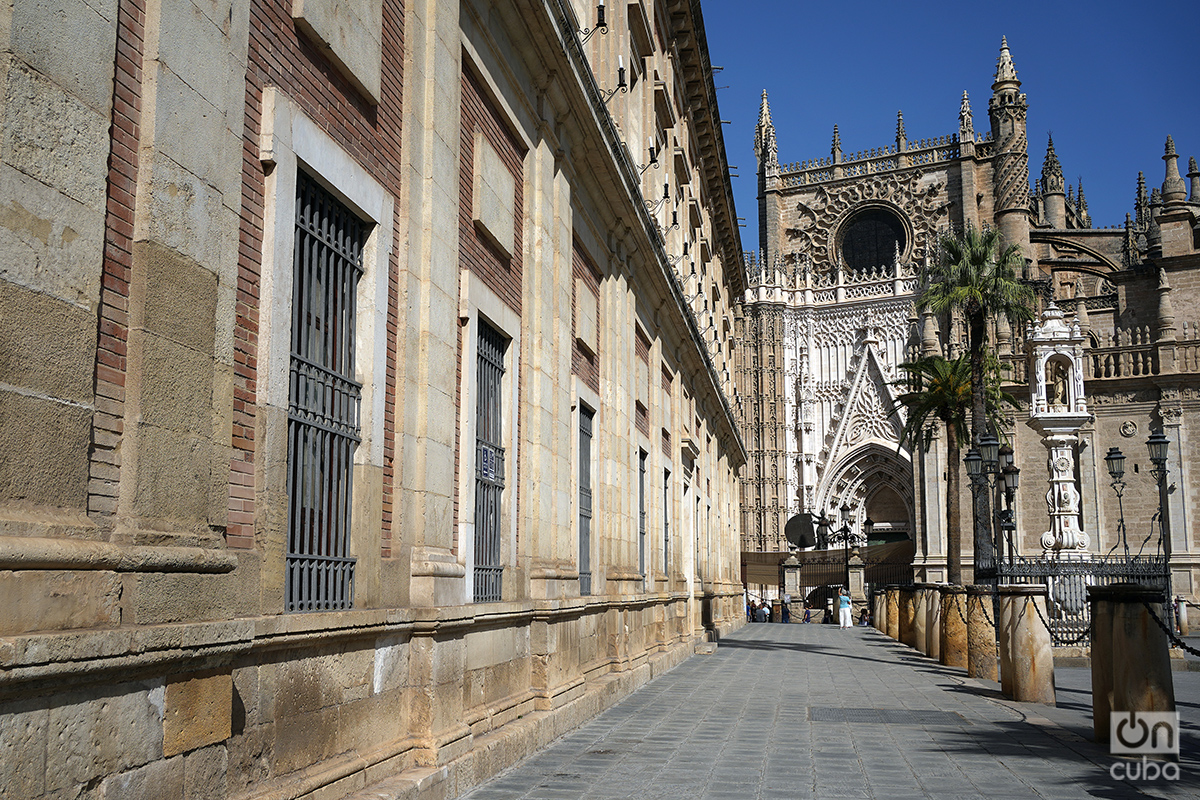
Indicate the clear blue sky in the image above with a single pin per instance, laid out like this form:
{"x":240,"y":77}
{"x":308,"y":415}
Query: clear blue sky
{"x":1109,"y":79}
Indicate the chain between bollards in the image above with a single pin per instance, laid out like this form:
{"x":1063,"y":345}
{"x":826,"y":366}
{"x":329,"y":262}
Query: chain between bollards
{"x":1086,"y":634}
{"x":1175,"y":640}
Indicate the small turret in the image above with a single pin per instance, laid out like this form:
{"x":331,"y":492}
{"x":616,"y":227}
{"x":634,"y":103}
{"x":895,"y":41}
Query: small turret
{"x":1194,"y":176}
{"x":1052,"y":188}
{"x":1174,"y":190}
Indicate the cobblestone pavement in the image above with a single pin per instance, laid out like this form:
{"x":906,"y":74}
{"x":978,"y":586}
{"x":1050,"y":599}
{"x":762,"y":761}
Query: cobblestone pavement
{"x":811,"y":711}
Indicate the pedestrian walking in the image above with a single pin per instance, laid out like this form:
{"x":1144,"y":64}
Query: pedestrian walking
{"x":844,"y":609}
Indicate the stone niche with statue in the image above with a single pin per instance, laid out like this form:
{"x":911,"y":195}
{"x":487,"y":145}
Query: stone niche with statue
{"x":1058,"y":409}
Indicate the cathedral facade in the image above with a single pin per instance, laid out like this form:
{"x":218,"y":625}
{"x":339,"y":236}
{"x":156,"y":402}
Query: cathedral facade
{"x":831,"y":312}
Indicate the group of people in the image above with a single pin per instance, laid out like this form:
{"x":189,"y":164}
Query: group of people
{"x":761,"y":611}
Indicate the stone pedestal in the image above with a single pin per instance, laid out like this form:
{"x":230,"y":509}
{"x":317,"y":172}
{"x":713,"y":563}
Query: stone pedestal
{"x":920,"y":597}
{"x":933,"y":622}
{"x":1131,"y":660}
{"x":893,"y":612}
{"x":907,"y":615}
{"x":981,"y":634}
{"x":954,"y":626}
{"x":1026,"y":652}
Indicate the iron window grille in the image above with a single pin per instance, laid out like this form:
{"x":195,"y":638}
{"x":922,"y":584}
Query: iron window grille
{"x":489,"y":463}
{"x":642,"y":513}
{"x":586,"y":418}
{"x":323,"y":401}
{"x":666,"y":553}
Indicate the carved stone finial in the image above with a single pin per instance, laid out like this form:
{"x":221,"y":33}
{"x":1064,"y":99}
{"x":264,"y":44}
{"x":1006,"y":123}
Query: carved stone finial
{"x":1006,"y":72}
{"x":1194,"y":175}
{"x":900,"y":137}
{"x":837,"y":140}
{"x":1052,"y":173}
{"x":966,"y":126}
{"x":765,"y":147}
{"x":1141,"y":204}
{"x":1174,"y":190}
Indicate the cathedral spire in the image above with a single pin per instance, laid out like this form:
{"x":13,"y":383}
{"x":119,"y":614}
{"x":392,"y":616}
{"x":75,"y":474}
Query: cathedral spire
{"x":1006,"y":72}
{"x":1141,"y":203}
{"x":765,"y":148}
{"x":1174,"y":190}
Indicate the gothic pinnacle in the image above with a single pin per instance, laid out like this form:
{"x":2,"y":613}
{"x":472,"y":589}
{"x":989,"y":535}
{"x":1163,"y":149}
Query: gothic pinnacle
{"x":1052,"y":174}
{"x":1006,"y":72}
{"x":1194,"y":175}
{"x":900,"y":126}
{"x":1174,"y":190}
{"x":837,"y":140}
{"x":764,"y":111}
{"x":964,"y":114}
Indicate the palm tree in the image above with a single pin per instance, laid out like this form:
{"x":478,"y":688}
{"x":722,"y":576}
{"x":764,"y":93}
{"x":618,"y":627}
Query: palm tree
{"x":977,"y":276}
{"x":938,"y":389}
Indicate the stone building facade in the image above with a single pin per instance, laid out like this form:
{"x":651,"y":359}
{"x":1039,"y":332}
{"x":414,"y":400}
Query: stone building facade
{"x":830,"y":313}
{"x":363,"y":387}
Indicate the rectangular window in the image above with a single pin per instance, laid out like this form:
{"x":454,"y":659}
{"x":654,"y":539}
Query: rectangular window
{"x":323,"y":401}
{"x":642,"y":512}
{"x":586,"y":418}
{"x":489,"y":462}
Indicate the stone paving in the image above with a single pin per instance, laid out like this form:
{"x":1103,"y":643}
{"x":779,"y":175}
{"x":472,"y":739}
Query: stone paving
{"x":811,"y":711}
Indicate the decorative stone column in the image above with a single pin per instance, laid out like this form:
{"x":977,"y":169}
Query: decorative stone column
{"x":1026,"y":653}
{"x":893,"y":612}
{"x":920,"y":597}
{"x":907,"y":616}
{"x":981,"y":634}
{"x":954,"y":626}
{"x":933,"y":622}
{"x":1131,"y":659}
{"x":1058,"y":410}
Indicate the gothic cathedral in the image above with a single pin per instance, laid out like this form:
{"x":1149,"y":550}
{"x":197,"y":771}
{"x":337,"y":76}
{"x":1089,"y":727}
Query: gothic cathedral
{"x":830,"y":313}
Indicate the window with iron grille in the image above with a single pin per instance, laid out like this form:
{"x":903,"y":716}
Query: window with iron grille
{"x":586,"y":418}
{"x":642,"y":512}
{"x":323,"y":401}
{"x":666,"y":553}
{"x":489,"y":462}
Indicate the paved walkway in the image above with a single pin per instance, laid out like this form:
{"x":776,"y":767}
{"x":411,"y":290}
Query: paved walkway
{"x":811,"y":711}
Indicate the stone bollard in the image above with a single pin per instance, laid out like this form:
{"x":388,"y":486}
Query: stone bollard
{"x":907,"y":613}
{"x":893,"y":612}
{"x":1182,"y":618}
{"x":879,"y":615}
{"x":954,"y":626}
{"x":1131,"y":659}
{"x":981,"y":634}
{"x":920,"y":597}
{"x":933,"y":622}
{"x":1026,"y":652}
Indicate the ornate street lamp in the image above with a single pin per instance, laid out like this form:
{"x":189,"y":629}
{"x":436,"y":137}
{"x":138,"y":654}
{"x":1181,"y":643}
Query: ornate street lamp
{"x":1010,"y":476}
{"x":1115,"y":463}
{"x":1158,"y":444}
{"x":975,"y":470}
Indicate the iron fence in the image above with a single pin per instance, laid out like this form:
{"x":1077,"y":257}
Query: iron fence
{"x":1069,"y":613}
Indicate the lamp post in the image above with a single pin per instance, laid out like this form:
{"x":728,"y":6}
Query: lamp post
{"x":1115,"y":463}
{"x":1011,"y":476}
{"x":974,"y":462}
{"x":1158,"y":444}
